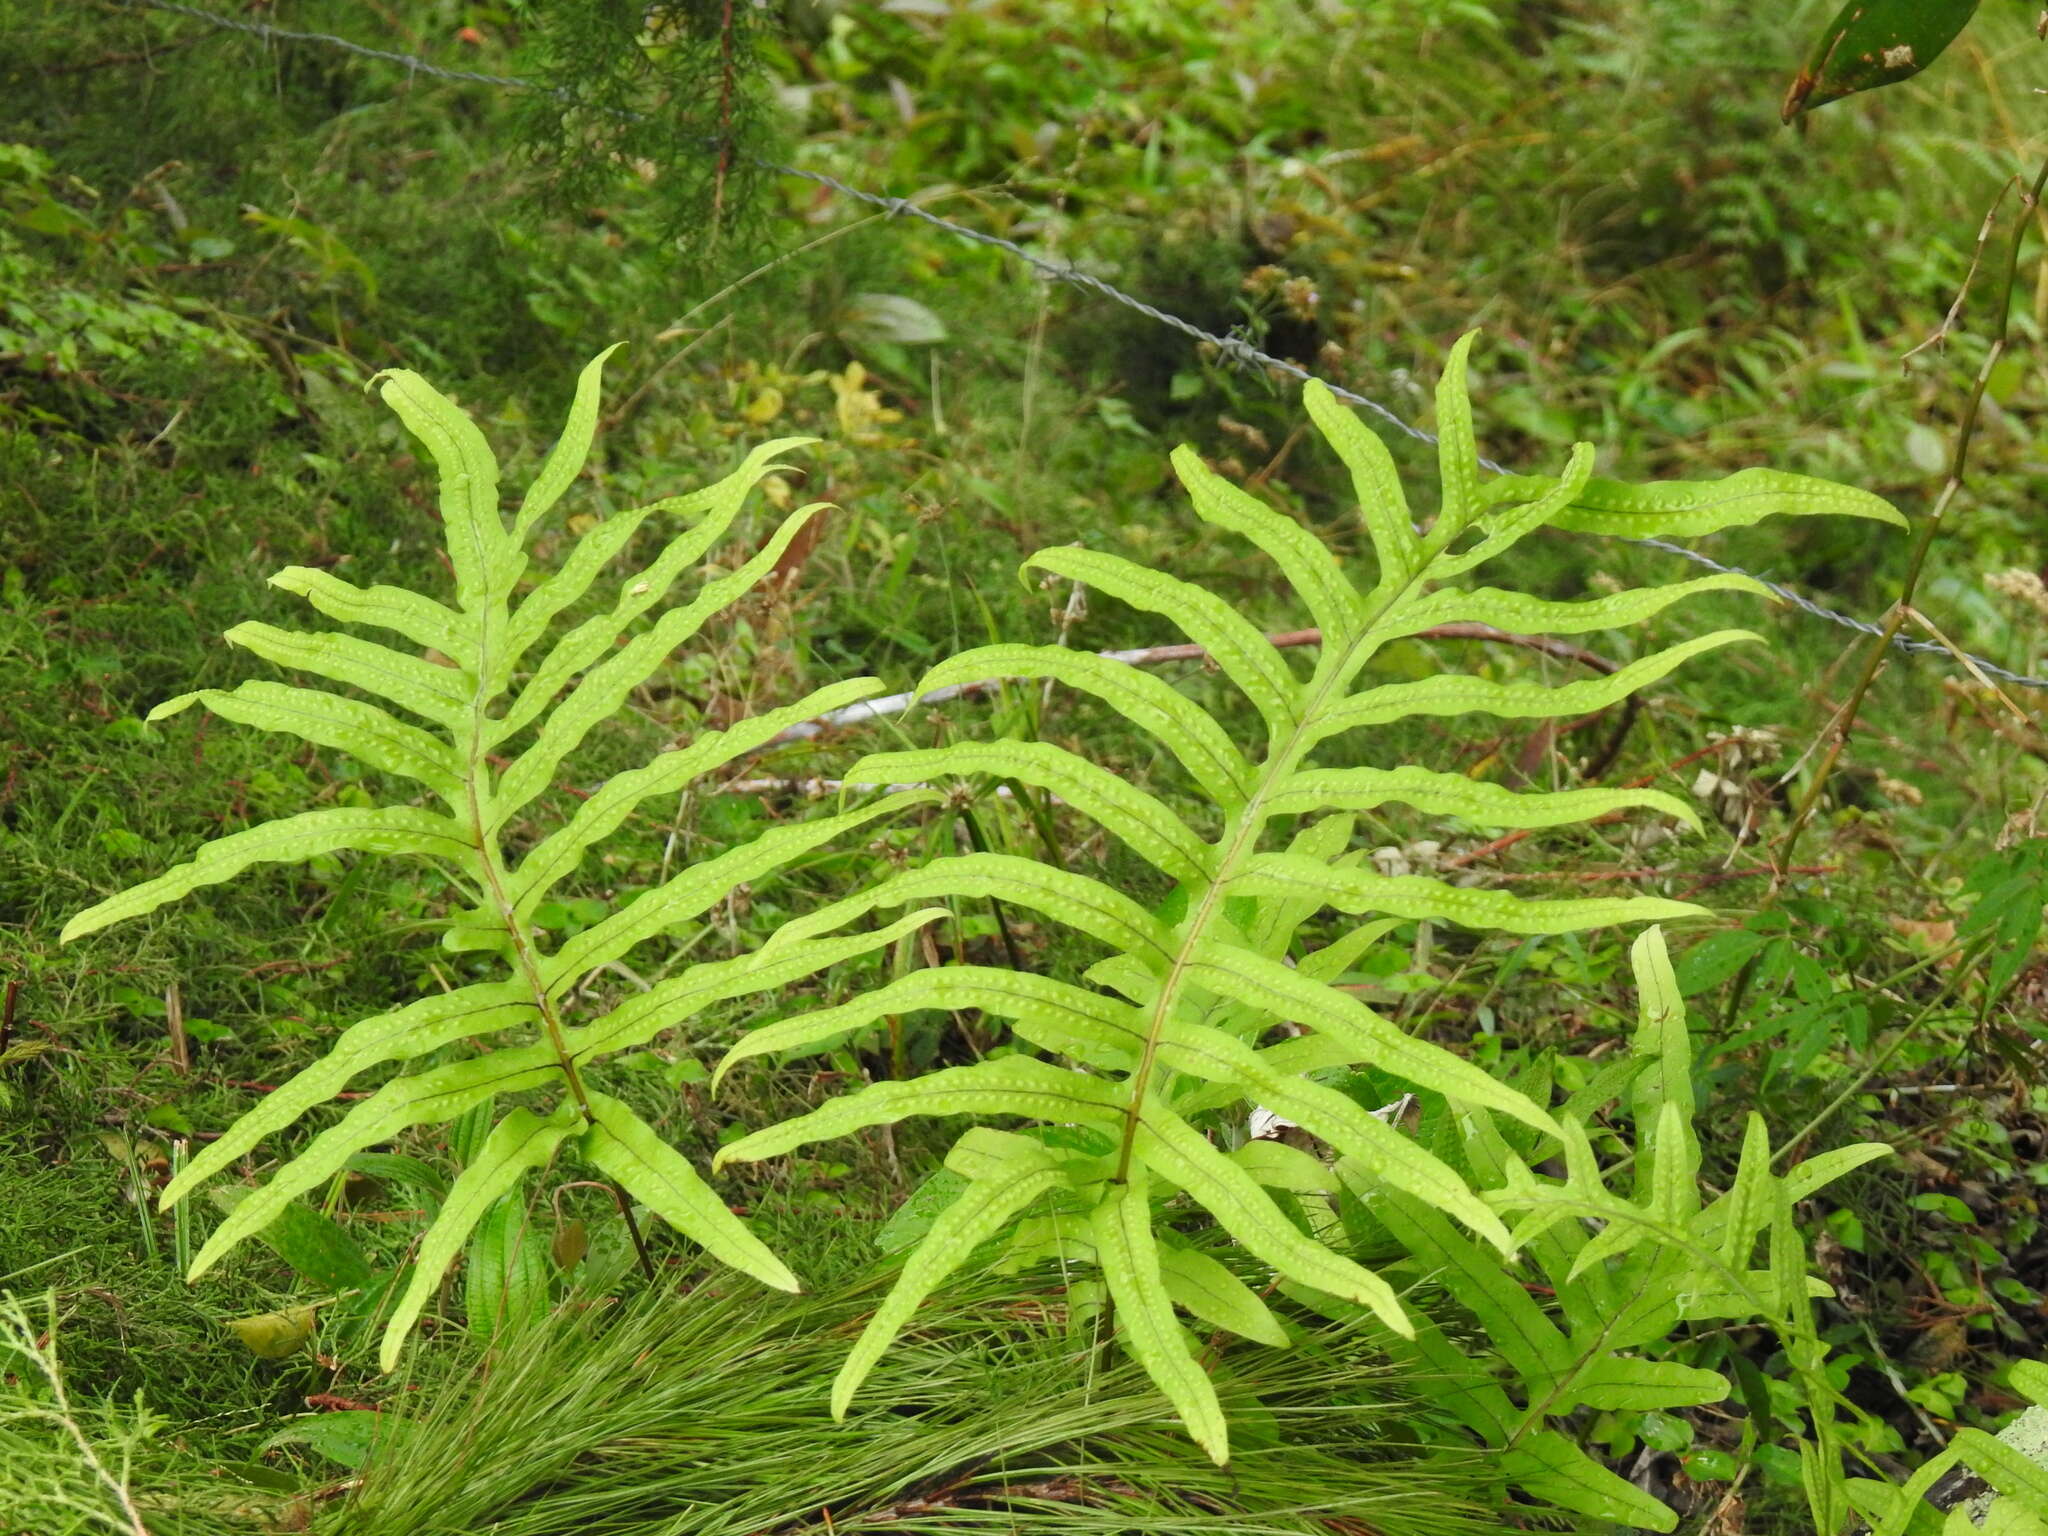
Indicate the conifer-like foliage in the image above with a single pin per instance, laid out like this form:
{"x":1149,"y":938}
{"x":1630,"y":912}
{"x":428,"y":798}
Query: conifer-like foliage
{"x":1206,"y":1008}
{"x":478,"y":682}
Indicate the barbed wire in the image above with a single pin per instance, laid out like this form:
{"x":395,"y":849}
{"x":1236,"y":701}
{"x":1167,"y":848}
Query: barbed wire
{"x":1233,"y":347}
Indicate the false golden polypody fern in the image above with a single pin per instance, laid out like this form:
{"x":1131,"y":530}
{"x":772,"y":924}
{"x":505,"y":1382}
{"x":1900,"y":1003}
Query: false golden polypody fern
{"x":1175,"y":1033}
{"x":489,"y":698}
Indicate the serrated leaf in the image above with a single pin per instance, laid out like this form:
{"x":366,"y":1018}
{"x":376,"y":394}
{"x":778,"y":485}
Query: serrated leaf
{"x":1129,"y":1256}
{"x":1310,"y":790}
{"x":1118,"y":806}
{"x":434,"y":693}
{"x":1211,"y":1292}
{"x":1873,"y":43}
{"x":1006,"y":1085}
{"x":557,"y":855}
{"x":1239,"y":651}
{"x":354,"y":726}
{"x":289,"y":840}
{"x":1170,"y":1146}
{"x":565,"y":460}
{"x":1311,"y":571}
{"x":1197,"y":742}
{"x":661,"y":1178}
{"x":1459,"y":694}
{"x":436,"y":1095}
{"x":521,"y":1142}
{"x":420,"y":619}
{"x":976,"y":1214}
{"x":702,"y":886}
{"x":1381,"y":502}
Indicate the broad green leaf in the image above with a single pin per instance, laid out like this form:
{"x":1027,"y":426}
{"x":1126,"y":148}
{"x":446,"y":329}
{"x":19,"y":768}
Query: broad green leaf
{"x":1381,"y":502}
{"x":1690,"y":508}
{"x":354,"y":726}
{"x":275,"y":1335}
{"x":522,"y":1141}
{"x":1623,"y":1384}
{"x":439,"y":694}
{"x":1521,"y":614}
{"x":420,"y":619}
{"x":714,"y":506}
{"x":2003,"y":1467}
{"x":289,"y":840}
{"x":558,"y":854}
{"x":1310,"y":790}
{"x":565,"y":460}
{"x":1204,"y":1287}
{"x":1083,"y":904}
{"x":1240,"y":652}
{"x":978,"y":1213}
{"x":1129,"y":1256}
{"x":2029,"y":1378}
{"x":702,"y":886}
{"x":1085,"y":1024}
{"x":1286,"y":993}
{"x":310,"y":1241}
{"x":667,"y":1003}
{"x":1873,"y":43}
{"x":604,"y":687}
{"x":1553,"y":1469}
{"x":1416,"y":896}
{"x":1458,"y":694}
{"x":1803,"y":1180}
{"x":661,"y":1178}
{"x":506,"y":1282}
{"x":1172,"y":1147}
{"x":1277,"y":1165}
{"x":433,"y":1096}
{"x":1148,"y":702}
{"x":1127,"y":812}
{"x":1006,"y":1085}
{"x":1309,"y":567}
{"x":470,"y":522}
{"x":411,"y":1031}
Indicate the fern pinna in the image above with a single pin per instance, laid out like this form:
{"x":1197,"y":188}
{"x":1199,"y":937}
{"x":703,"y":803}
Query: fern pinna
{"x":1171,"y":1042}
{"x":499,"y":687}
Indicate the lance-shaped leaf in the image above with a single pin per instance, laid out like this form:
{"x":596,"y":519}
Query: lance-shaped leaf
{"x":1008,"y":1085}
{"x":408,"y":1032}
{"x":1042,"y":1006}
{"x":1201,"y":1285}
{"x":1085,"y":905}
{"x":1451,"y":794}
{"x":1872,"y":43}
{"x":702,"y":886}
{"x":1233,"y":642}
{"x":289,"y":840}
{"x":1522,"y":614}
{"x":420,"y":619}
{"x":1500,"y":531}
{"x":979,"y":1213}
{"x":1154,"y":705}
{"x":1115,"y":804}
{"x":360,"y":729}
{"x":522,"y":1141}
{"x":625,"y":1147}
{"x":1309,"y":567}
{"x":439,"y":694}
{"x":1691,"y":508}
{"x":604,"y":812}
{"x":1382,"y":504}
{"x":1553,"y":1469}
{"x":1146,"y":1326}
{"x":565,"y":460}
{"x":1417,"y":896}
{"x":1175,"y":1149}
{"x":474,"y":532}
{"x":438,"y":1095}
{"x":1623,"y":1384}
{"x":668,"y":1003}
{"x":1459,"y":694}
{"x":1457,"y":451}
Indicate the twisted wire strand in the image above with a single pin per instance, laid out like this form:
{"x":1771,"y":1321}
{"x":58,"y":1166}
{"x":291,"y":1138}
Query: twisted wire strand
{"x":1235,"y":348}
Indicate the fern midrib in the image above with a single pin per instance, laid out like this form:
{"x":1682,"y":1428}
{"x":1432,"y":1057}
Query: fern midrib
{"x":1334,"y":672}
{"x":476,"y":771}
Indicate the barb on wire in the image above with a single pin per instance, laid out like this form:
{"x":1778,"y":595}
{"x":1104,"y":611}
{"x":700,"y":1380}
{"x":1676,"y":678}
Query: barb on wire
{"x":1234,"y":347}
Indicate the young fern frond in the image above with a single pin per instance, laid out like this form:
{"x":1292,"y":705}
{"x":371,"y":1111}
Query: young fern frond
{"x":1177,"y":1034}
{"x":489,"y":692}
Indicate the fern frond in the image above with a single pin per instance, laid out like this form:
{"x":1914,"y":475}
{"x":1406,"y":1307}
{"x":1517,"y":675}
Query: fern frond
{"x":520,"y":1038}
{"x":1177,"y":1056}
